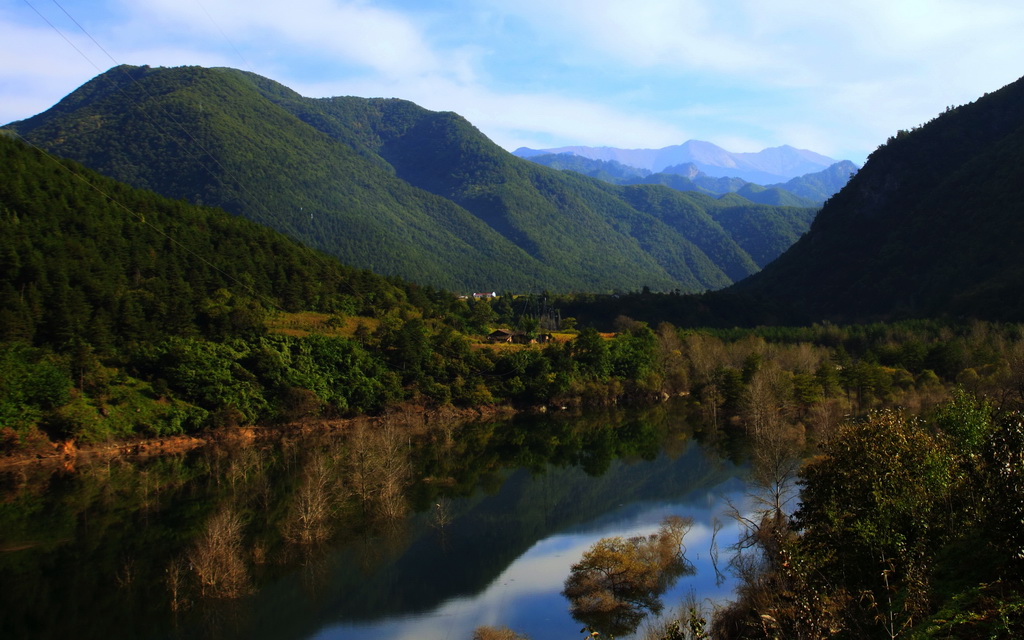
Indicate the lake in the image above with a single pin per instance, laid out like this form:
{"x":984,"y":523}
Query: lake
{"x":494,"y":516}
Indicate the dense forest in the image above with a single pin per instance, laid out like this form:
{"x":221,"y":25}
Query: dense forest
{"x":929,"y":227}
{"x":126,"y":313}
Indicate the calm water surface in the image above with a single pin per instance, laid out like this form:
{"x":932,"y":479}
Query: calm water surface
{"x":87,"y":554}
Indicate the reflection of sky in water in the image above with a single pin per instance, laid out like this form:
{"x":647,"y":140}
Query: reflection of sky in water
{"x":527,"y":597}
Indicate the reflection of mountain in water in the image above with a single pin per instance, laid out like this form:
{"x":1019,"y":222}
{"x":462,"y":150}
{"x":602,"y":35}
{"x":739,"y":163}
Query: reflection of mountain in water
{"x":91,"y":550}
{"x":489,"y":532}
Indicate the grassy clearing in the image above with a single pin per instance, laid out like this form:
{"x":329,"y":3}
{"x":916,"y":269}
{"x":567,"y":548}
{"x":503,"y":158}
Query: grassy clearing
{"x":304,"y":323}
{"x":480,"y":342}
{"x":502,"y":347}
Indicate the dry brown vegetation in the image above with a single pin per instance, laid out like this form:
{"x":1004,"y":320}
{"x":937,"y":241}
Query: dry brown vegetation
{"x":620,"y":580}
{"x":304,"y":323}
{"x":216,"y":557}
{"x":496,"y":633}
{"x":316,"y":501}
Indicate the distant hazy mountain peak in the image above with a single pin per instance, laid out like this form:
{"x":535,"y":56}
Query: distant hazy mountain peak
{"x":687,"y":170}
{"x":771,"y":165}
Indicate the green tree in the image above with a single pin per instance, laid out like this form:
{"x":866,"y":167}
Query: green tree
{"x":634,"y":358}
{"x":874,"y":509}
{"x":481,"y":316}
{"x":967,"y":420}
{"x":210,"y":375}
{"x":590,"y":351}
{"x":32,"y":383}
{"x":1004,"y":503}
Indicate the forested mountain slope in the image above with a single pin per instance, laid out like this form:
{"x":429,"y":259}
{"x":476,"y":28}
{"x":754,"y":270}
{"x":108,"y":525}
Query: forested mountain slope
{"x":381,"y":184}
{"x":125,"y":313}
{"x":87,"y":258}
{"x":210,"y":137}
{"x":822,"y":185}
{"x":932,"y":225}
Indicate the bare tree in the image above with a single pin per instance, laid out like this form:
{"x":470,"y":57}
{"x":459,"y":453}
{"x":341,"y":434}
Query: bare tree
{"x":315,"y":502}
{"x":216,"y":557}
{"x":175,"y":577}
{"x":772,"y":594}
{"x":827,"y":415}
{"x":706,"y":354}
{"x":762,"y":407}
{"x":380,"y":470}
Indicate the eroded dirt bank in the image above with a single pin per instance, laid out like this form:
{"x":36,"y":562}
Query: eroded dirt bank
{"x":68,"y":454}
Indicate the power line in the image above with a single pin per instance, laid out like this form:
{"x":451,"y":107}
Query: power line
{"x":226,"y":38}
{"x":70,"y":17}
{"x":253,"y":200}
{"x":61,"y":34}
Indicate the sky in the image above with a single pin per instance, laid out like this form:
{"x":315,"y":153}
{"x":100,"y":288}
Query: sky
{"x":837,"y":76}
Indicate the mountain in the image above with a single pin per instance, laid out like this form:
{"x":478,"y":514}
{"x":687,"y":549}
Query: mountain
{"x":762,"y":231}
{"x":931,"y":225}
{"x":386,"y":185}
{"x":775,"y":196}
{"x":86,"y":257}
{"x":210,"y":137}
{"x":607,"y":170}
{"x":776,"y":164}
{"x":684,"y":177}
{"x":688,"y":178}
{"x":820,"y":186}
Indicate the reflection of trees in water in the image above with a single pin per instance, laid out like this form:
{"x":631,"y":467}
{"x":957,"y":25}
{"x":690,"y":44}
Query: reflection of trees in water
{"x":380,"y":470}
{"x":620,"y":580}
{"x":236,"y":517}
{"x":315,"y":501}
{"x":216,"y":556}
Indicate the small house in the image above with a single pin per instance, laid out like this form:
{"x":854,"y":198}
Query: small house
{"x":500,"y":336}
{"x":504,"y":336}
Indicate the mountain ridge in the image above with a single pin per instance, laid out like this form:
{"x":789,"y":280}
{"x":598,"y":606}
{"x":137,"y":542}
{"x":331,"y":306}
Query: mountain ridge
{"x":382,"y":184}
{"x":808,"y":190}
{"x":931,"y":225}
{"x":770,"y":165}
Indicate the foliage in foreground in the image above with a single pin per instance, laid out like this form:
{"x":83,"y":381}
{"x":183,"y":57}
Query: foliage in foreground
{"x":887,"y":510}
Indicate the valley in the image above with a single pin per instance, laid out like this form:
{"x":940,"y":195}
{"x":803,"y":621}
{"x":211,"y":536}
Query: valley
{"x":202,"y":253}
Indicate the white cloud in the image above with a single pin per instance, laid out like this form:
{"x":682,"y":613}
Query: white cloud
{"x":571,"y":121}
{"x":358,"y":33}
{"x":680,"y":34}
{"x":513,"y":120}
{"x":37,"y":69}
{"x":856,"y":71}
{"x":837,"y":77}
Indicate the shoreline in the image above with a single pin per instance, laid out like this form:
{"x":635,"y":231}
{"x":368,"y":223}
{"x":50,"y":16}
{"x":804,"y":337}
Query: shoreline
{"x":67,"y":454}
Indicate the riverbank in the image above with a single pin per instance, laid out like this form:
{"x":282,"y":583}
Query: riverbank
{"x":67,"y":454}
{"x":116,"y":548}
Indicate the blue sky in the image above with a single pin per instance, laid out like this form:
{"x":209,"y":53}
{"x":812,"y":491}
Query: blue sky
{"x":836,"y":76}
